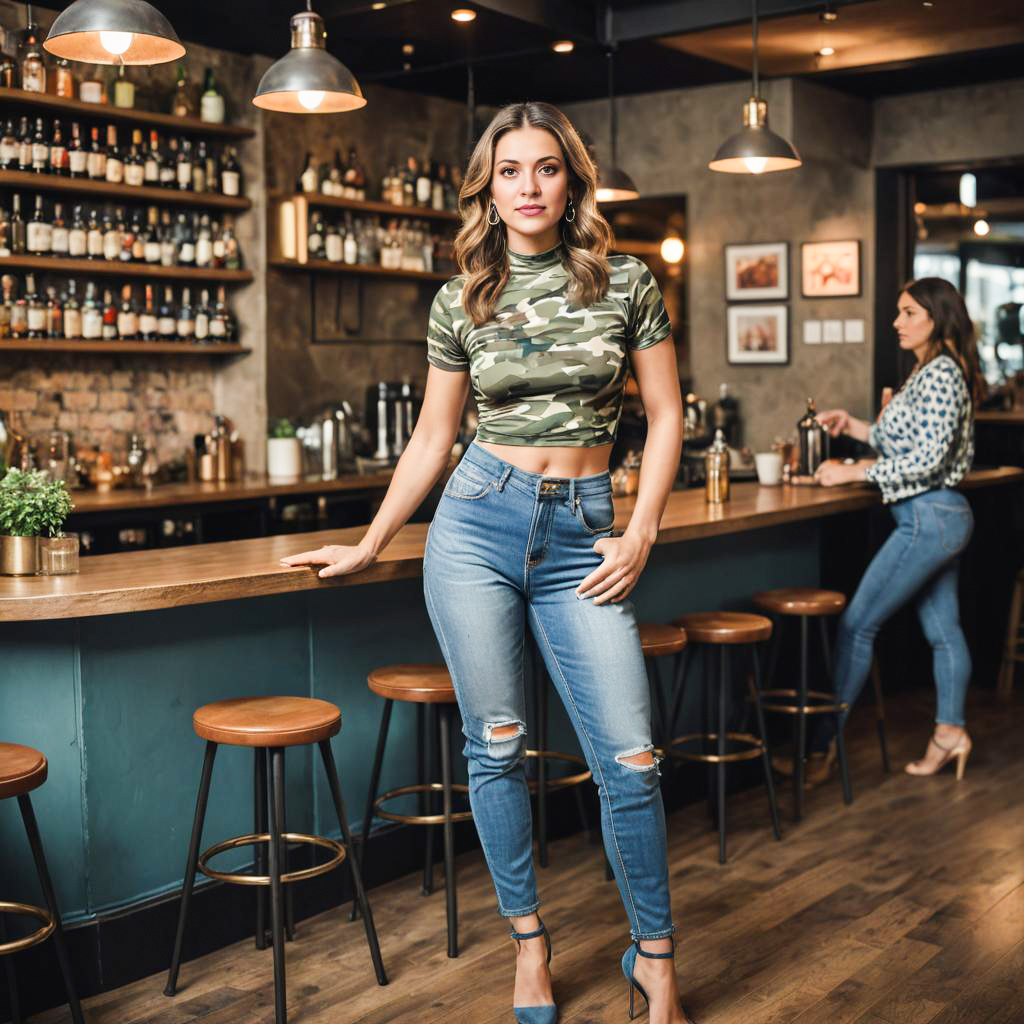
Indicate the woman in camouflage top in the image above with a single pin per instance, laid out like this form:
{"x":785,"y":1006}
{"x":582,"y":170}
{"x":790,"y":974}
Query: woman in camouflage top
{"x":544,"y":325}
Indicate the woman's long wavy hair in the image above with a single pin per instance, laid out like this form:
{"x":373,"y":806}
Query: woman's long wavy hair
{"x":953,"y":333}
{"x":480,"y":247}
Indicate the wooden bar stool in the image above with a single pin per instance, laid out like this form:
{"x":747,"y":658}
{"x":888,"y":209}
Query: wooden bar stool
{"x":658,"y":640}
{"x":270,"y":724}
{"x":725,"y":630}
{"x":23,"y":769}
{"x":428,"y":685}
{"x":805,"y":603}
{"x":1013,"y":651}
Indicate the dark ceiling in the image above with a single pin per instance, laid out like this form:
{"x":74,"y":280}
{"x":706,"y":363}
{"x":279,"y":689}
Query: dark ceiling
{"x":508,"y":45}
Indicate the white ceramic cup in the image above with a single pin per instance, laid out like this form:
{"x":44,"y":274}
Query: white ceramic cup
{"x":769,"y":468}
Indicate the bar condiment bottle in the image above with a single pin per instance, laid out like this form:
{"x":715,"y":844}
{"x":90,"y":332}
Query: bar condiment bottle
{"x":716,"y":471}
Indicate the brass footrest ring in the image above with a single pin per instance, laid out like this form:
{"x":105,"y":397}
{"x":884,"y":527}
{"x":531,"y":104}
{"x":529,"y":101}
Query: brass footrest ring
{"x":754,"y":745}
{"x":292,"y":876}
{"x":39,"y":935}
{"x":559,"y":781}
{"x":421,"y":819}
{"x":828,"y":706}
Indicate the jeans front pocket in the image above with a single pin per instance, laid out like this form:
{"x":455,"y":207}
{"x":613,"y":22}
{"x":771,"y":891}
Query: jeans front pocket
{"x":955,"y":525}
{"x":467,"y":484}
{"x":595,"y":512}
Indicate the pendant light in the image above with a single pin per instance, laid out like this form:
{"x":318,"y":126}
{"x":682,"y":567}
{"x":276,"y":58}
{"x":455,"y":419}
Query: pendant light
{"x":113,"y":32}
{"x":755,"y":149}
{"x":307,"y":79}
{"x":613,"y":183}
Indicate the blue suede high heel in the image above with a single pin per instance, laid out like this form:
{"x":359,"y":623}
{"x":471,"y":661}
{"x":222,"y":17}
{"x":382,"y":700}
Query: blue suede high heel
{"x":628,"y":965}
{"x":547,"y":1014}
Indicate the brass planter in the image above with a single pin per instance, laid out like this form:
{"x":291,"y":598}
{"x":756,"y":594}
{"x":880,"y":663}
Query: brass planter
{"x":19,"y":556}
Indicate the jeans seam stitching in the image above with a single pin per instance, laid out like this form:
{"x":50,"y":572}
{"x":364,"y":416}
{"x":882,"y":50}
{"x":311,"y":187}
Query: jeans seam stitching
{"x":597,"y":762}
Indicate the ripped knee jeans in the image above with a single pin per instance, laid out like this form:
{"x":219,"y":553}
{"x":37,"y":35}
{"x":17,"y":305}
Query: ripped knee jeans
{"x":504,"y":554}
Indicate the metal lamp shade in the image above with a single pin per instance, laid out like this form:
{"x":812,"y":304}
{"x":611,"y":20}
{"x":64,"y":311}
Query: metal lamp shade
{"x":308,"y":69}
{"x":615,"y":185}
{"x":75,"y":34}
{"x":757,"y":144}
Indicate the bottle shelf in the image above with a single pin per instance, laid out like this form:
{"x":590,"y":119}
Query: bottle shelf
{"x":182,"y":348}
{"x":318,"y":201}
{"x":327,"y":267}
{"x":115,"y":268}
{"x":29,"y":181}
{"x":126,"y":115}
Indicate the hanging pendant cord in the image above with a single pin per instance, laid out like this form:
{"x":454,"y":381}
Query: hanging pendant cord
{"x":757,"y":92}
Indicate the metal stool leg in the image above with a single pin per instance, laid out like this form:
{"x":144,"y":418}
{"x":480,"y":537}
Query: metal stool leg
{"x":661,"y":735}
{"x":680,"y":671}
{"x":844,"y":765}
{"x":449,"y":832}
{"x":191,"y":860}
{"x":12,"y":977}
{"x":769,"y":781}
{"x":260,"y":827}
{"x":883,"y":744}
{"x":50,"y":897}
{"x":773,"y":651}
{"x":723,"y":689}
{"x":800,"y":752}
{"x":277,"y":913}
{"x":708,"y":728}
{"x":429,"y":721}
{"x":378,"y":761}
{"x":289,"y":901}
{"x":330,"y":768}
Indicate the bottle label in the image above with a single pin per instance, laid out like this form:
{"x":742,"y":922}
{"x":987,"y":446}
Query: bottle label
{"x":315,"y":244}
{"x":39,"y":236}
{"x":114,"y":171}
{"x":133,"y":174}
{"x":204,"y":252}
{"x":77,"y":242}
{"x":218,"y":248}
{"x":109,"y":332}
{"x":184,"y":176}
{"x":57,"y":157}
{"x":95,"y":243}
{"x":33,"y":77}
{"x":111,"y":245}
{"x":151,"y":170}
{"x":187,"y":253}
{"x":91,"y":92}
{"x":167,"y":253}
{"x":202,"y":327}
{"x":72,"y":323}
{"x":334,"y":248}
{"x":166,"y":326}
{"x":96,"y":164}
{"x":230,"y":182}
{"x":217,"y":327}
{"x":36,"y":318}
{"x":40,"y":155}
{"x":8,"y":151}
{"x":77,"y":160}
{"x":423,"y":189}
{"x":186,"y":328}
{"x":92,"y":323}
{"x":147,"y":323}
{"x":308,"y":180}
{"x":59,"y":240}
{"x":151,"y":252}
{"x":25,"y":154}
{"x":127,"y":324}
{"x":211,"y":108}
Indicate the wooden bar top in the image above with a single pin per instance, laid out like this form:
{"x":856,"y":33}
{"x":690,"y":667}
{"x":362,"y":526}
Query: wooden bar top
{"x":169,"y":577}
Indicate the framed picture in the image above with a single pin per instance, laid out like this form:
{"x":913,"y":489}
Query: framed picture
{"x":758,"y":334}
{"x":829,"y":269}
{"x":757,"y":272}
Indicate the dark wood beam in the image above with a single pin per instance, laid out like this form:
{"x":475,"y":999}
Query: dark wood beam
{"x":561,"y":17}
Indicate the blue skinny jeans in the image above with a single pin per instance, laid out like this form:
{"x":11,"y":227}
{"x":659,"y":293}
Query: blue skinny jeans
{"x":507,"y":548}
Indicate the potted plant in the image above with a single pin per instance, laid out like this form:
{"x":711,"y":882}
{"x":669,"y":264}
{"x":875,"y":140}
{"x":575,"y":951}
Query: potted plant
{"x":31,"y":506}
{"x":284,"y":451}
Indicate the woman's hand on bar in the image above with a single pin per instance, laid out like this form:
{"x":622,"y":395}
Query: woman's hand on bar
{"x":834,"y":472}
{"x":337,"y":559}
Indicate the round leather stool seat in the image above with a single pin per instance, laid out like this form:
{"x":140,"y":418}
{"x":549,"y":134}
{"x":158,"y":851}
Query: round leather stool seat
{"x":422,"y":684}
{"x":724,"y":627}
{"x":801,"y":601}
{"x":22,"y":769}
{"x":658,"y":640}
{"x":267,"y":721}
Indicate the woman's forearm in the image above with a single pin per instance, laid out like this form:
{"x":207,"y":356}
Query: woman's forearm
{"x":657,"y":474}
{"x":858,"y":429}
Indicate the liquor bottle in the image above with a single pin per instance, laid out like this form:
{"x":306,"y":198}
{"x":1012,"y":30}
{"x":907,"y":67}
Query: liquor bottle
{"x":57,"y":154}
{"x":109,"y":329}
{"x":199,"y":167}
{"x":349,"y":175}
{"x":182,"y":105}
{"x":127,"y":237}
{"x":168,"y":243}
{"x":409,"y":177}
{"x":334,"y":246}
{"x":94,"y":237}
{"x":18,"y":231}
{"x":424,"y":186}
{"x":186,"y":240}
{"x":349,"y":248}
{"x":124,"y":90}
{"x":64,"y":80}
{"x":725,"y":416}
{"x":183,"y":169}
{"x":138,"y":233}
{"x":148,"y":323}
{"x":59,"y":234}
{"x":186,"y":317}
{"x":169,"y":167}
{"x":24,"y":145}
{"x":204,"y":242}
{"x":114,"y":172}
{"x":111,"y":237}
{"x":151,"y":166}
{"x":8,"y":147}
{"x":72,"y":313}
{"x":220,"y":319}
{"x":202,"y":317}
{"x":8,"y":80}
{"x":36,"y":309}
{"x":6,"y":302}
{"x":96,"y":161}
{"x":440,"y":176}
{"x":33,"y":70}
{"x":19,"y":317}
{"x":77,"y":156}
{"x":134,"y":163}
{"x":92,"y":89}
{"x":5,"y":232}
{"x":231,"y":174}
{"x":38,"y":234}
{"x":212,"y":171}
{"x":385,"y":185}
{"x":308,"y":177}
{"x":334,"y":183}
{"x":151,"y":237}
{"x":92,"y":315}
{"x":40,"y":149}
{"x":54,"y":314}
{"x":127,"y":318}
{"x":315,"y":241}
{"x":232,"y":254}
{"x":167,"y":321}
{"x":78,"y":235}
{"x":211,"y":103}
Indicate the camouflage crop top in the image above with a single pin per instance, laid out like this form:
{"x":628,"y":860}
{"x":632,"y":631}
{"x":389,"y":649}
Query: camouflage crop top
{"x":545,"y":372}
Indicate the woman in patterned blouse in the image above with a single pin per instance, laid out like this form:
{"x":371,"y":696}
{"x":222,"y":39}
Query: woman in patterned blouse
{"x":924,"y":438}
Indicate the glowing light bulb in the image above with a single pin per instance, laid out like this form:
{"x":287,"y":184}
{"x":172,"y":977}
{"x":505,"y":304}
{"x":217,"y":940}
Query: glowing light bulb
{"x":981,"y":227}
{"x":968,"y":190}
{"x":463,"y":14}
{"x":311,"y":98}
{"x":115,"y":43}
{"x":563,"y":46}
{"x":672,"y":249}
{"x":756,"y":164}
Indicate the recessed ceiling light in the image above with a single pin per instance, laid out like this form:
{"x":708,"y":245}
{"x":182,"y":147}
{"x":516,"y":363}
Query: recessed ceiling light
{"x":826,"y":51}
{"x":927,"y":3}
{"x":408,"y":49}
{"x":377,"y":6}
{"x":981,"y":227}
{"x":563,"y":46}
{"x":829,"y":14}
{"x":463,"y":14}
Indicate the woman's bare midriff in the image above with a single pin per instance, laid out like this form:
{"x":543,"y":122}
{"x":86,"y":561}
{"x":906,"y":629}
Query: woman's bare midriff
{"x":557,"y":462}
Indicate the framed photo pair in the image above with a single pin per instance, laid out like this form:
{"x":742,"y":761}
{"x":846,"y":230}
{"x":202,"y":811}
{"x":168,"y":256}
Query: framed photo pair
{"x":757,"y":272}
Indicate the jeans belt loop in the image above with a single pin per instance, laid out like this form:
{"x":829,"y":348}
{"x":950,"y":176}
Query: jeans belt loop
{"x":503,"y":479}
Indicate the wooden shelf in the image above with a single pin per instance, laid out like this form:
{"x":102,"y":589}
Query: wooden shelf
{"x":30,"y":181}
{"x":318,"y":201}
{"x":116,"y":268}
{"x":177,"y":348}
{"x":108,"y":112}
{"x":327,"y":267}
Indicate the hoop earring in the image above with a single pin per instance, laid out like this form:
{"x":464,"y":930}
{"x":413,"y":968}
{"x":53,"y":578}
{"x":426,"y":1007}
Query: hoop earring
{"x":493,"y":210}
{"x":569,"y":208}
